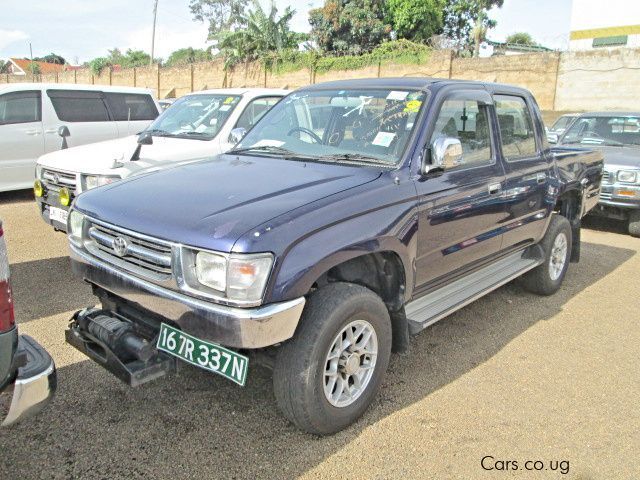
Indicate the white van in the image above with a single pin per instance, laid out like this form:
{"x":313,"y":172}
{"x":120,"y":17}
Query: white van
{"x":34,"y":115}
{"x":196,"y":126}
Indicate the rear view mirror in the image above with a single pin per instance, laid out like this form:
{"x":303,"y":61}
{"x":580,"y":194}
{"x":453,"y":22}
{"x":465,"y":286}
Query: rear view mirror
{"x":236,"y":135}
{"x":552,"y":137}
{"x":446,"y":152}
{"x":144,"y":138}
{"x":64,"y":132}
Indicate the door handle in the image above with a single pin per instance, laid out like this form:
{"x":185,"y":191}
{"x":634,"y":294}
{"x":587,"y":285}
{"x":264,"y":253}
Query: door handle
{"x":32,"y":132}
{"x":541,"y":177}
{"x":51,"y":130}
{"x":494,"y":188}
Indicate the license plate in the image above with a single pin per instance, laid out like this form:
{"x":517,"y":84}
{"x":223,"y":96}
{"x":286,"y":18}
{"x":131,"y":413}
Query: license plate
{"x":208,"y":356}
{"x":58,"y":214}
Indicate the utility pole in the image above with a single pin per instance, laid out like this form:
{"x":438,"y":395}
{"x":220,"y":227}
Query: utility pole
{"x":31,"y":55}
{"x":153,"y":32}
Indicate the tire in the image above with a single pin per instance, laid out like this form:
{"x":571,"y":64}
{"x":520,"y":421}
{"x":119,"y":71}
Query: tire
{"x":299,"y":377}
{"x":546,"y":278}
{"x":634,"y":223}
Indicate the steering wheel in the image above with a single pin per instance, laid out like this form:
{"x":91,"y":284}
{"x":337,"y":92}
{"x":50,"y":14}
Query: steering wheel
{"x":315,"y":137}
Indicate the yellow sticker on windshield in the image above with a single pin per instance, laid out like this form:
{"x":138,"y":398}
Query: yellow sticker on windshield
{"x":412,"y":106}
{"x":228,"y":100}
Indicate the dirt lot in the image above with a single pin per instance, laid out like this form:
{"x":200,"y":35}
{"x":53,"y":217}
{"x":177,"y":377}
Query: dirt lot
{"x":511,"y":377}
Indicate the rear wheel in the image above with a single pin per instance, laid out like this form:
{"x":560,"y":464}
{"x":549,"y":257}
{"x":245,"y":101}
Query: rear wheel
{"x":634,"y":223}
{"x":326,"y":376}
{"x":556,"y":244}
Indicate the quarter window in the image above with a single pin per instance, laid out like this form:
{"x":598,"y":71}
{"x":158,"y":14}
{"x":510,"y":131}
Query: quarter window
{"x":255,"y":110}
{"x":131,"y":106}
{"x":468,"y":121}
{"x":516,"y":128}
{"x":79,"y":106}
{"x":20,"y":107}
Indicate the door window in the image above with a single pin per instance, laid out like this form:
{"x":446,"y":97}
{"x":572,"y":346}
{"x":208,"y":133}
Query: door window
{"x":255,"y":110}
{"x":468,"y":121}
{"x":79,"y":106}
{"x":131,"y":106}
{"x":516,"y":128}
{"x":20,"y":107}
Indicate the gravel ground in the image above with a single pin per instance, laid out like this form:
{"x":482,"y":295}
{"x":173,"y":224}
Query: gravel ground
{"x":512,"y":377}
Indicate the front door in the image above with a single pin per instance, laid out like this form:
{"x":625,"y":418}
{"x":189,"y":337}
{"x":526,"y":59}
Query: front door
{"x":460,"y":208}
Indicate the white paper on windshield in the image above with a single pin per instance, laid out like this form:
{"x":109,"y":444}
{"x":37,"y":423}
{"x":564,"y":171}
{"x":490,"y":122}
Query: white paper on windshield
{"x":224,"y":108}
{"x":268,"y":143}
{"x":383,"y":139}
{"x":201,"y":128}
{"x":397,"y":95}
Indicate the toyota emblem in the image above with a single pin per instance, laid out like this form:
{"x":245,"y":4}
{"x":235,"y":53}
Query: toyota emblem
{"x":56,"y":178}
{"x":120,"y":246}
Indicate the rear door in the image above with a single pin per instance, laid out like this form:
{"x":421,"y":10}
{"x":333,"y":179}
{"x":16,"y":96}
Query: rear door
{"x":85,"y":114}
{"x":460,"y":209}
{"x":21,"y":138}
{"x":527,"y":170}
{"x":132,"y":112}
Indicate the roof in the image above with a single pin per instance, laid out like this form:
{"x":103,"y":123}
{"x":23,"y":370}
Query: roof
{"x":71,"y":86}
{"x":242,"y":91}
{"x":610,"y":114}
{"x":24,"y":64}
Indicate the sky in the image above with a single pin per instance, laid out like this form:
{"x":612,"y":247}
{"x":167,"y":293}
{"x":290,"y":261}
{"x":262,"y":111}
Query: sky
{"x":80,"y":30}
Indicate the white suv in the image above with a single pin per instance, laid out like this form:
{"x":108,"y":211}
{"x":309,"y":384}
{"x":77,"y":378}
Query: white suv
{"x":195,"y":126}
{"x":33,"y":116}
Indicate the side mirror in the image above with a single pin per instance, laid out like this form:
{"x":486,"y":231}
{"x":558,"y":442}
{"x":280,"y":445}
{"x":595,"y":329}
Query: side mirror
{"x":446,"y":152}
{"x":143,"y":139}
{"x":237,"y":134}
{"x":64,"y":132}
{"x":552,"y":137}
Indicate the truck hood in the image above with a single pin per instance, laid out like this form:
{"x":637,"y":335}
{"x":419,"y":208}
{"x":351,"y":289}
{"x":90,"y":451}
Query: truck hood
{"x":620,"y":156}
{"x":113,"y":156}
{"x":210,"y":204}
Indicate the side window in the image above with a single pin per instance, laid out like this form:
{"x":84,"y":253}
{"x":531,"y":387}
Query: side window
{"x":468,"y":121}
{"x":79,"y":106}
{"x":255,"y":110}
{"x":131,"y":106}
{"x":516,"y":127}
{"x":20,"y":107}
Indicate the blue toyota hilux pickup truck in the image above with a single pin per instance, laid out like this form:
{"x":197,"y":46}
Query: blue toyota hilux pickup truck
{"x":352,"y":215}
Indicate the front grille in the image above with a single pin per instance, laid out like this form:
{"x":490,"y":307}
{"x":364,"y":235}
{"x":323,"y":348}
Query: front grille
{"x":57,"y":179}
{"x":138,"y":254}
{"x":606,"y":177}
{"x":605,"y":195}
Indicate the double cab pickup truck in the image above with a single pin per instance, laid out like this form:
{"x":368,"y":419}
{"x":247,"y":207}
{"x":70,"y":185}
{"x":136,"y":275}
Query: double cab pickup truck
{"x":617,"y":136}
{"x":352,"y":215}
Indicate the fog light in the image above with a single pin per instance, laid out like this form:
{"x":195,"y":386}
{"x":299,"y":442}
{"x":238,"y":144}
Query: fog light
{"x":65,"y":197}
{"x":38,"y":188}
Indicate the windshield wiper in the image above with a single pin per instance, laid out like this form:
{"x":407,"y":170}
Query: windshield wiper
{"x":156,"y":132}
{"x":284,"y":152}
{"x":353,"y":157}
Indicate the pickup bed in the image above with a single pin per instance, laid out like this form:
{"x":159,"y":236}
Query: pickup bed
{"x":353,"y":214}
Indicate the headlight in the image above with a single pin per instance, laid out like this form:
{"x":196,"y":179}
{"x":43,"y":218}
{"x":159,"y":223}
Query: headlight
{"x":74,"y":227}
{"x":627,"y":176}
{"x":239,"y":277}
{"x":93,"y":181}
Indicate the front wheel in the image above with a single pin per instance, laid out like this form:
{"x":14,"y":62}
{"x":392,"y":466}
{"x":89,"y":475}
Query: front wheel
{"x":326,"y":376}
{"x":634,"y":223}
{"x":546,"y":278}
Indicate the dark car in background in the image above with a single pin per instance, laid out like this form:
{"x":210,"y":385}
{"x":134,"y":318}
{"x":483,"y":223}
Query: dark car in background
{"x":617,"y":136}
{"x":27,"y":372}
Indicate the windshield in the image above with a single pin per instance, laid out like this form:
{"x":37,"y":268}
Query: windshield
{"x":355,"y":126}
{"x":195,"y":116}
{"x":562,"y":122}
{"x":613,"y":131}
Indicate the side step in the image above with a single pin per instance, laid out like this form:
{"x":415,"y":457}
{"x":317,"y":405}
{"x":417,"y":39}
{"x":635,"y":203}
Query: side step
{"x":436,"y":305}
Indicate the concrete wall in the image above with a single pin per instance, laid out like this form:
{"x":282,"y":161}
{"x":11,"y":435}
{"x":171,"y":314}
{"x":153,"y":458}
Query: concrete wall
{"x":572,"y":81}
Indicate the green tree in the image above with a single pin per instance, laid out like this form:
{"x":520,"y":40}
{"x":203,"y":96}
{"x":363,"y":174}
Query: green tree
{"x":262,"y":36}
{"x":34,"y":68}
{"x":51,"y":58}
{"x":415,"y":20}
{"x":349,"y":26}
{"x":185,"y":56}
{"x":4,"y":66}
{"x":466,"y":22}
{"x":222,"y":15}
{"x":521,"y":38}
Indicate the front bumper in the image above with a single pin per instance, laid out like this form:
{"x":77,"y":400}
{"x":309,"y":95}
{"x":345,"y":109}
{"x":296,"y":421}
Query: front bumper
{"x":34,"y":385}
{"x":44,"y":207}
{"x":229,"y":326}
{"x":620,"y":196}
